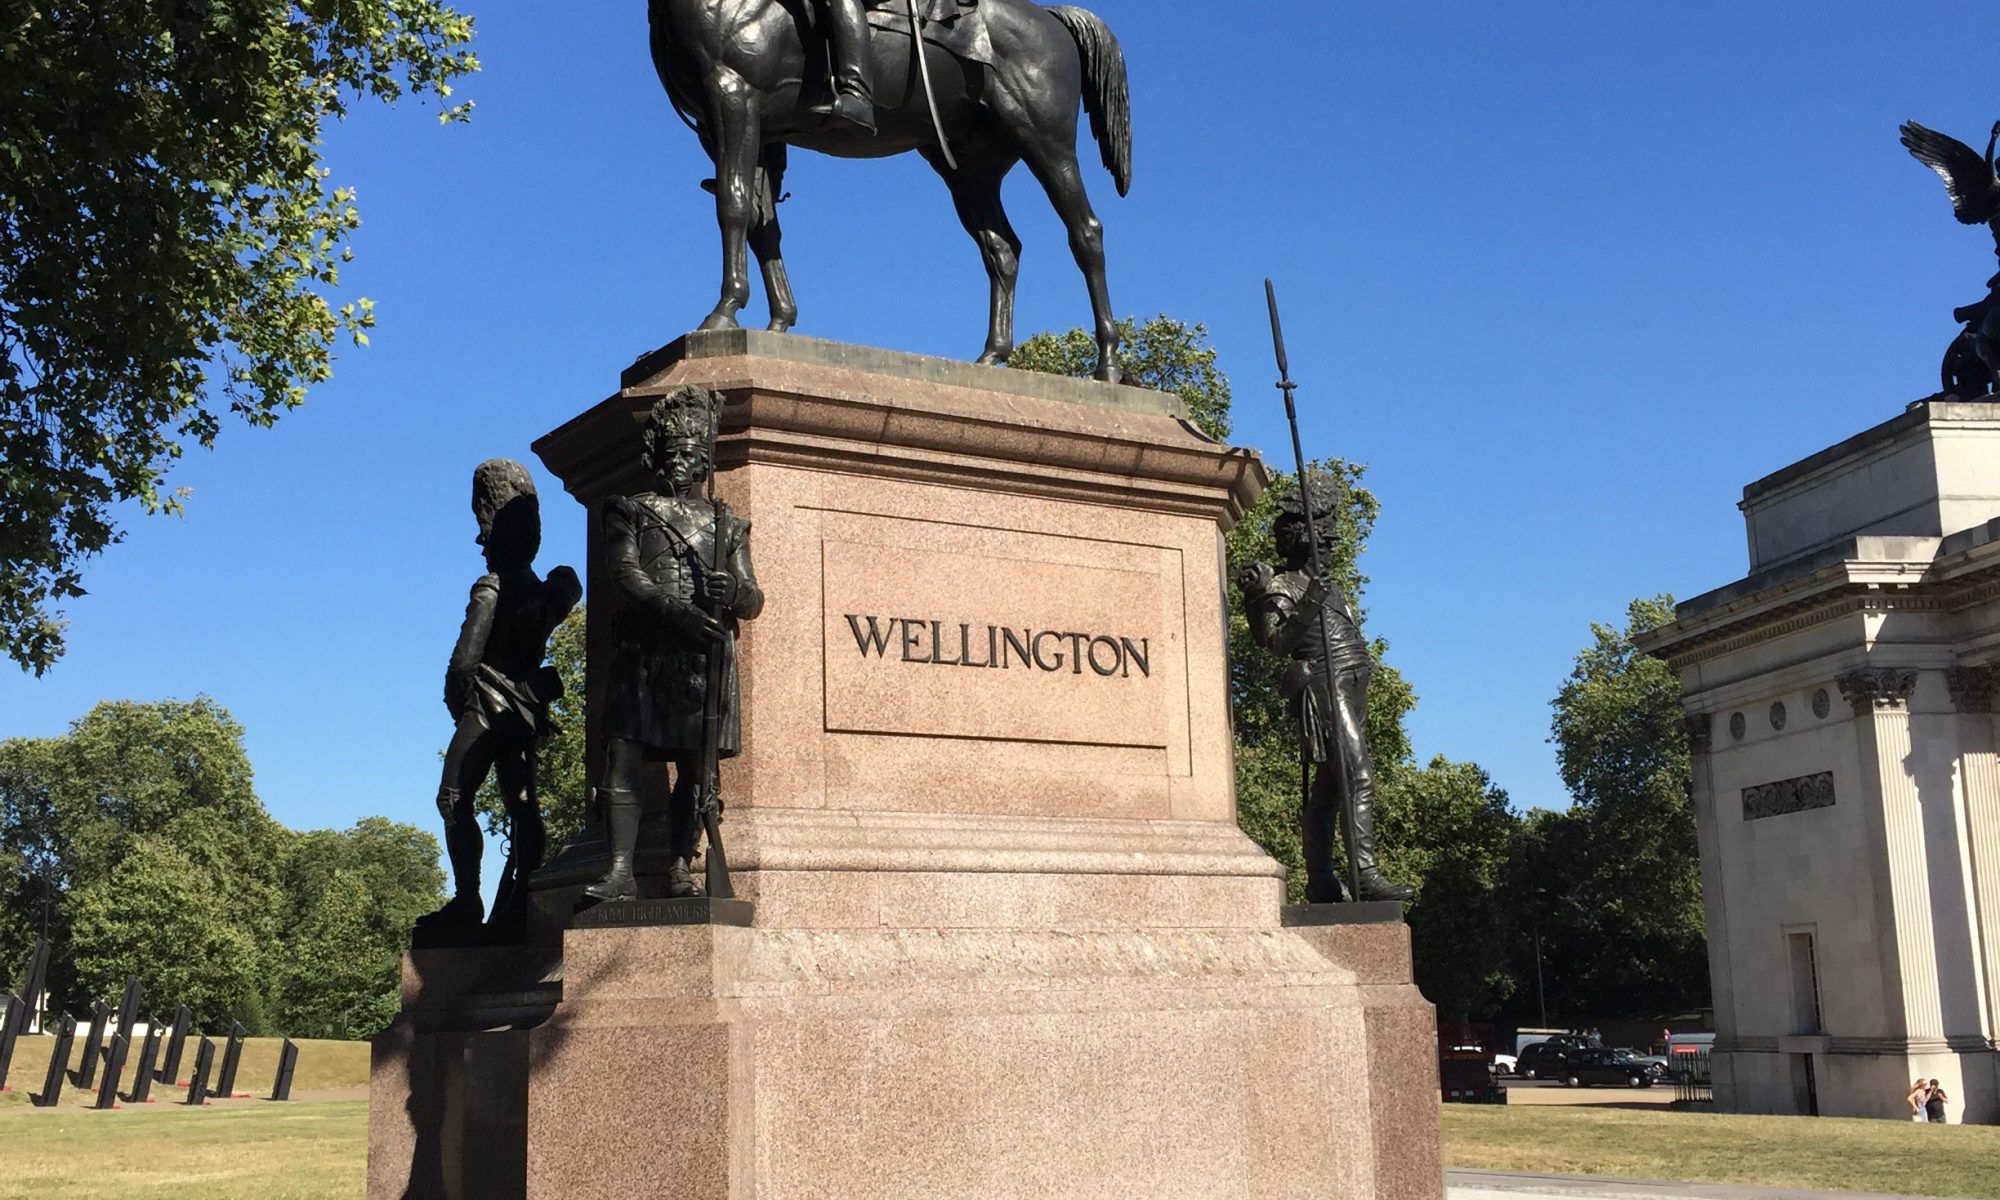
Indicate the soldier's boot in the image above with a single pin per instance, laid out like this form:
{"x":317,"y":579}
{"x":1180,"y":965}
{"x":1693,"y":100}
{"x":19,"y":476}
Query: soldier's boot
{"x":853,"y":61}
{"x":621,"y":820}
{"x":1323,"y":884}
{"x":684,"y":825}
{"x":463,"y":844}
{"x":1361,"y":835}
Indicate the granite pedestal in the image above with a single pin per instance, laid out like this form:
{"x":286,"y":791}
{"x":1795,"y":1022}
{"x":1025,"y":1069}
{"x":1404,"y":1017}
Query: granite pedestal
{"x":1006,"y":938}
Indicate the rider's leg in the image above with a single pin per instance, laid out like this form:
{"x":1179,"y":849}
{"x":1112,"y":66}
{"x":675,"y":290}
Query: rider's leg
{"x":853,"y":63}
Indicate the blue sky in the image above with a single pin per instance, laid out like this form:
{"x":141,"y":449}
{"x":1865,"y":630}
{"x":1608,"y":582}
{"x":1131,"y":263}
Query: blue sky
{"x":1565,"y":275}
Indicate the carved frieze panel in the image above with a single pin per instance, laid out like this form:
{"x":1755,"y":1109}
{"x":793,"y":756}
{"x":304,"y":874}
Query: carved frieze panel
{"x":1788,"y":796}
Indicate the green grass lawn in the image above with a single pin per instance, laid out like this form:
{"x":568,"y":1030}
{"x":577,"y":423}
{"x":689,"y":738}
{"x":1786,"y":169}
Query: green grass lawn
{"x":250,"y":1150}
{"x":322,"y":1065}
{"x":1863,"y":1156}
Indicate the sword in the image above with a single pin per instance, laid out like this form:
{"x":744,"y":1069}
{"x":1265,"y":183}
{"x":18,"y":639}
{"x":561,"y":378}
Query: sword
{"x":924,"y":71}
{"x":1286,"y":385}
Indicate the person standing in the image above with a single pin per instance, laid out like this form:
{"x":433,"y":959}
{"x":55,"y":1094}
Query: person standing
{"x":1934,"y":1103}
{"x":1919,"y":1092}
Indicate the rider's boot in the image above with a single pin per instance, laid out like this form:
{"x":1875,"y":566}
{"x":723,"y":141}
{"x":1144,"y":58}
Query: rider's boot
{"x":853,"y":91}
{"x":621,"y":819}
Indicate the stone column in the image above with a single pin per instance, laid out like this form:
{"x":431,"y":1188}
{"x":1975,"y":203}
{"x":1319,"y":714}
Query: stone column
{"x":1700,"y":730}
{"x":1975,"y":694}
{"x":1880,"y":698}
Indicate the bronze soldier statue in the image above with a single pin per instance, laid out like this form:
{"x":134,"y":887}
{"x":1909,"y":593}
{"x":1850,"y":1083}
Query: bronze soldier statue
{"x":853,"y":64}
{"x":498,"y":691}
{"x":681,"y":563}
{"x":1308,"y":619}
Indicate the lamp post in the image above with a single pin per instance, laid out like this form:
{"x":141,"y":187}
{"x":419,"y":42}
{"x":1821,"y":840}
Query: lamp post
{"x":1541,"y":995}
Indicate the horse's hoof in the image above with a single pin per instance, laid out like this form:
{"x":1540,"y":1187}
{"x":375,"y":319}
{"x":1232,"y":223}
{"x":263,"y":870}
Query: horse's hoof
{"x":779,"y":325}
{"x":990,"y":359}
{"x":719,"y":320}
{"x":1110,"y":374}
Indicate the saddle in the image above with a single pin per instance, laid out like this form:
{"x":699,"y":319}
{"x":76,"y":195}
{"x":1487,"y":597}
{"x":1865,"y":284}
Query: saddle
{"x":957,"y":26}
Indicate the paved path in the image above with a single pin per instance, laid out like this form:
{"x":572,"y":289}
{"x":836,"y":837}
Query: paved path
{"x":1533,"y":1091}
{"x":1514,"y":1185}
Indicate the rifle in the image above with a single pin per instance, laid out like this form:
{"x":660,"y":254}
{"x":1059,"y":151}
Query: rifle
{"x":709,"y":797}
{"x":1286,"y":386}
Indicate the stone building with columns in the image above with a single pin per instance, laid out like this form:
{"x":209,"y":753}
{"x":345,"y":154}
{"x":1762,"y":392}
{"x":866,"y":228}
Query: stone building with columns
{"x":1841,"y":712}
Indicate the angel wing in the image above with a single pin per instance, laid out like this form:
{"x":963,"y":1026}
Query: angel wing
{"x":1975,"y":196}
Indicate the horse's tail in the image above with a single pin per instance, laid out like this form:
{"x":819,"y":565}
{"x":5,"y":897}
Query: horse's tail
{"x":1107,"y":96}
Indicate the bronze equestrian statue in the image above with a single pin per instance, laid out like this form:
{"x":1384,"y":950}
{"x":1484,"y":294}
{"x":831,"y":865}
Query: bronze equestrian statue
{"x":753,"y":77}
{"x":1972,"y":362}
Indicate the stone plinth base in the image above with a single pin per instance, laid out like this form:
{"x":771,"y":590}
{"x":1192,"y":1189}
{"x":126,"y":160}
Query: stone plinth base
{"x":710,"y":1061}
{"x":1006,"y":938}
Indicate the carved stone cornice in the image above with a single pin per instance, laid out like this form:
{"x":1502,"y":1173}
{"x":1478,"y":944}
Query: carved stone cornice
{"x":1974,"y":689}
{"x":1872,"y":688}
{"x":1700,"y":731}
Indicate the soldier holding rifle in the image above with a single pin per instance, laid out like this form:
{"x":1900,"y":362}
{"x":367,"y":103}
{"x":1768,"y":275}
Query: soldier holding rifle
{"x":681,"y":563}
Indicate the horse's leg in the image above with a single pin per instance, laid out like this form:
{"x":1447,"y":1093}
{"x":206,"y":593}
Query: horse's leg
{"x":1054,"y":164}
{"x":736,"y":148}
{"x":975,"y":191}
{"x":767,"y":239}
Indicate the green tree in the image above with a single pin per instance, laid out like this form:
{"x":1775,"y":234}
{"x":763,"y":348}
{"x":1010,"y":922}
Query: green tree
{"x":75,"y":808}
{"x":561,"y":782}
{"x":342,"y":969}
{"x":169,"y":243}
{"x":159,"y":916}
{"x":1446,"y":828}
{"x":1163,"y":354}
{"x":350,"y":898}
{"x":1173,"y":356}
{"x":1620,"y":876}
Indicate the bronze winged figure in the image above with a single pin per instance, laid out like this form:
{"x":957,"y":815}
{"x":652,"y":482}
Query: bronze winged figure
{"x":1972,"y":362}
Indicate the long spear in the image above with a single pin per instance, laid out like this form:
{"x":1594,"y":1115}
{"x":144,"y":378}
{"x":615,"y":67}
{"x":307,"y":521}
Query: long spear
{"x":1286,"y":386}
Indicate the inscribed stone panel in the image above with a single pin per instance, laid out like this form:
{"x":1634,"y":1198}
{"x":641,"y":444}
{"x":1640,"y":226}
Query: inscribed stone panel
{"x":1002,"y":635}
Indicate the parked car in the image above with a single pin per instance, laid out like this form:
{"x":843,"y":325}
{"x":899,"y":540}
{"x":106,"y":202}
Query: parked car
{"x":1504,"y":1064}
{"x":1656,"y":1063}
{"x":1542,"y":1060}
{"x":1598,"y":1065}
{"x":1545,"y":1059}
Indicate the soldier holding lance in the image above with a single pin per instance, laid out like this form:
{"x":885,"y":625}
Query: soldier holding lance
{"x":1300,"y":613}
{"x":681,"y":563}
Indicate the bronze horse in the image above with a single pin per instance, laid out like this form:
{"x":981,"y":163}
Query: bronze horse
{"x":747,"y":73}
